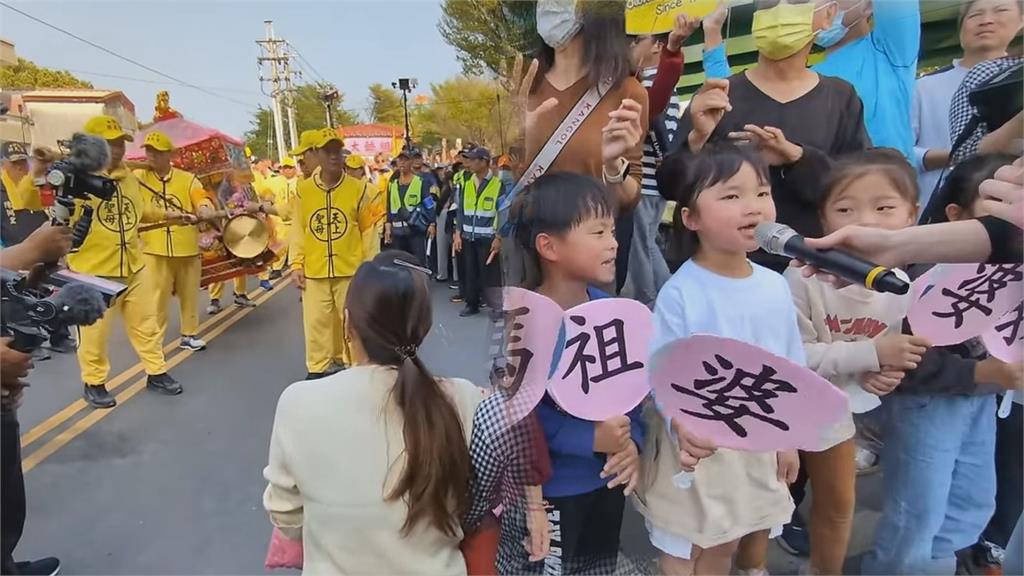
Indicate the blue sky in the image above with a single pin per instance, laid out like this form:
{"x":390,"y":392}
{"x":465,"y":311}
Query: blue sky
{"x":352,"y":43}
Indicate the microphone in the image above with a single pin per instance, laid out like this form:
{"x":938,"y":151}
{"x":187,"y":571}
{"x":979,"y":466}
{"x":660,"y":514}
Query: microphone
{"x":780,"y":239}
{"x":88,"y":153}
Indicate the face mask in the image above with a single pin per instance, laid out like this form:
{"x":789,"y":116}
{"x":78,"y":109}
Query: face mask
{"x":557,"y":22}
{"x":783,"y":30}
{"x":833,"y":34}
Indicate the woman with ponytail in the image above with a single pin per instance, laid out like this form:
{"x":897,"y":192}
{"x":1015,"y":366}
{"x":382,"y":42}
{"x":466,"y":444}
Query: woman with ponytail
{"x":370,"y":467}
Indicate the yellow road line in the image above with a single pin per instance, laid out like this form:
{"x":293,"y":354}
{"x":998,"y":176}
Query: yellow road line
{"x":44,"y":427}
{"x":59,"y":441}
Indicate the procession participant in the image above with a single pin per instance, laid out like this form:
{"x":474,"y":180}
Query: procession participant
{"x":237,"y":196}
{"x":269,"y":187}
{"x":306,"y":152}
{"x":405,"y":194}
{"x":172,"y":253}
{"x":21,"y":190}
{"x":112,"y":250}
{"x":283,"y":189}
{"x":355,"y":167}
{"x":331,"y":214}
{"x":475,"y":239}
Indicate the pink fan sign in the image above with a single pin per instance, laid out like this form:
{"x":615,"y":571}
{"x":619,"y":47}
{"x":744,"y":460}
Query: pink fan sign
{"x":743,"y":397}
{"x":602,"y":371}
{"x":1005,"y":340}
{"x":531,"y":326}
{"x":961,"y":301}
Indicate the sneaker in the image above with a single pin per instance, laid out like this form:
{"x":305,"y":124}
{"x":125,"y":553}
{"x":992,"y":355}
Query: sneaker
{"x":63,"y":346}
{"x":867,"y":461}
{"x":275,"y":274}
{"x":469,"y":311}
{"x":453,"y":286}
{"x":441,"y":279}
{"x":192,"y":343}
{"x":98,"y":397}
{"x":457,"y":299}
{"x":266,"y":285}
{"x":40,"y":354}
{"x":795,"y":540}
{"x":164,"y":384}
{"x":214,"y":307}
{"x":243,"y":301}
{"x":42,"y":567}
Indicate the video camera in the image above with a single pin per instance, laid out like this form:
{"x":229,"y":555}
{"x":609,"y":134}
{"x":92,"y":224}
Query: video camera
{"x":73,"y":177}
{"x":34,"y":305}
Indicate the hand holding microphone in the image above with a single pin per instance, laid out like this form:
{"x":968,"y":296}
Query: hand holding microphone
{"x":780,"y":239}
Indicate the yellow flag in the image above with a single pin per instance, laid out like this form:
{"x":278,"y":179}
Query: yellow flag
{"x":645,"y":17}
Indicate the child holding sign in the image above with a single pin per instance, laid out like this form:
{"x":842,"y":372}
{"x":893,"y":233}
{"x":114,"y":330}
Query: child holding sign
{"x":852,"y":338}
{"x":565,"y":223}
{"x":722,"y":193}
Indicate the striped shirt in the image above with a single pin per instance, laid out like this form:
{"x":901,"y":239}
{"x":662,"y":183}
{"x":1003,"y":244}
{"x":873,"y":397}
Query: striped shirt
{"x":648,"y":185}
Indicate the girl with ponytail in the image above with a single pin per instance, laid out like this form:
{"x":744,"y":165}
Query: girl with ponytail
{"x":370,"y":466}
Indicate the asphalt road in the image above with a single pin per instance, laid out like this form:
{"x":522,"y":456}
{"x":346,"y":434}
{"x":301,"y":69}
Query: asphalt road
{"x":173,"y":485}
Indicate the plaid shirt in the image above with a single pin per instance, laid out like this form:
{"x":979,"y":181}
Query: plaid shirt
{"x":961,"y":111}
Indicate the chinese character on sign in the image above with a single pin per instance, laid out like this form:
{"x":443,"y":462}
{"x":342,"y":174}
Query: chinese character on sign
{"x":611,"y":352}
{"x":1009,"y":329}
{"x":978,"y":292}
{"x":732,"y":393}
{"x":521,"y":355}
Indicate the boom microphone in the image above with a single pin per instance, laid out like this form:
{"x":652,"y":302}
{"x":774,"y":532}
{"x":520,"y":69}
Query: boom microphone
{"x":780,"y":239}
{"x":88,"y":153}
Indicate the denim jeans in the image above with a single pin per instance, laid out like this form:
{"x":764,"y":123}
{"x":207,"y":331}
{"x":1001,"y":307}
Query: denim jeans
{"x":648,"y":270}
{"x":939,"y":482}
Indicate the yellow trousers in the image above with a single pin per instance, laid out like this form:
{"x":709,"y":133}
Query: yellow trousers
{"x":178,"y":275}
{"x":283,"y":231}
{"x":323,"y":305}
{"x":217,"y":288}
{"x":137,"y":305}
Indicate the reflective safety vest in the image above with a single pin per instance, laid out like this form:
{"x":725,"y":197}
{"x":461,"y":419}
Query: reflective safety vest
{"x":479,"y":210}
{"x":413,"y":195}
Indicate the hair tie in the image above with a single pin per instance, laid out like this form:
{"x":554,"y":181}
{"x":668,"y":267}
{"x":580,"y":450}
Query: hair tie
{"x":406,"y":352}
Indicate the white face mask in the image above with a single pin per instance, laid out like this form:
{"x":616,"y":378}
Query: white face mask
{"x":557,"y":22}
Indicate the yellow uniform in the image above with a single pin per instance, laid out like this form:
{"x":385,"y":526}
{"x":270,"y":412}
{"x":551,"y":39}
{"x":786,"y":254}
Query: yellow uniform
{"x":113,"y":249}
{"x":172,"y":253}
{"x":327,"y":246}
{"x":22,"y":194}
{"x":371,"y":237}
{"x":281,"y":190}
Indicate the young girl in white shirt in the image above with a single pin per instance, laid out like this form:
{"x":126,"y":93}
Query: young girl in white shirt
{"x":722,"y":193}
{"x":852,"y":338}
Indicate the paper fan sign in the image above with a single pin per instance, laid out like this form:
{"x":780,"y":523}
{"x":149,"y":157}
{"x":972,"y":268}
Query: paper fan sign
{"x":743,"y":397}
{"x":1005,"y":340}
{"x":647,"y":17}
{"x":961,"y":301}
{"x":591,"y":359}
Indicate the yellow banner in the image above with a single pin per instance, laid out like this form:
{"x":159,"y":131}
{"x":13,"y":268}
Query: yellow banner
{"x":646,"y":17}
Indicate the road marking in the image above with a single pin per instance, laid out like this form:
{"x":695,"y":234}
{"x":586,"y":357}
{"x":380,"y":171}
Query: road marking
{"x":46,"y":450}
{"x":46,"y":426}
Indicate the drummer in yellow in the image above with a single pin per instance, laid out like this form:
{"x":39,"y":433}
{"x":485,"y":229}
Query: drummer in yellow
{"x":112,"y":250}
{"x":280,"y":191}
{"x":331,"y":215}
{"x":172,"y":253}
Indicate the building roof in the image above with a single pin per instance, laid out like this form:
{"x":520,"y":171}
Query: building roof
{"x":81,"y":95}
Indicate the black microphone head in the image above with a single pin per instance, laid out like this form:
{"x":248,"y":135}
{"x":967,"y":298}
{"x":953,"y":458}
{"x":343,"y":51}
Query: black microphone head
{"x":89,"y":153}
{"x":78,"y":305}
{"x":772,"y":237}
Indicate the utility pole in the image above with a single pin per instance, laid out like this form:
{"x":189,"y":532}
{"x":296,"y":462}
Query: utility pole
{"x":290,"y":98}
{"x":271,"y":47}
{"x":406,"y":85}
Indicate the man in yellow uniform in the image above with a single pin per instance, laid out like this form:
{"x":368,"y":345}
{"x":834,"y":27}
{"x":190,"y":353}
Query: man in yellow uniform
{"x":112,"y":249}
{"x":355,"y":167}
{"x":21,"y":190}
{"x":279,"y":190}
{"x":172,"y":253}
{"x":330,"y":219}
{"x":306,"y":152}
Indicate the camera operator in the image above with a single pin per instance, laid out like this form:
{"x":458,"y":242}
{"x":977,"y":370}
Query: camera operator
{"x":45,"y":244}
{"x":112,"y":249}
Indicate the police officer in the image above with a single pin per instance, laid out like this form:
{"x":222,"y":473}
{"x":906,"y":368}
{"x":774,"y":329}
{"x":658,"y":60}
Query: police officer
{"x":407,"y":191}
{"x":476,"y":240}
{"x":112,"y":250}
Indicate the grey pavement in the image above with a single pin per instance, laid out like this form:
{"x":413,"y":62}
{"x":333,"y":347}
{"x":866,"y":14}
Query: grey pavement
{"x":173,"y":485}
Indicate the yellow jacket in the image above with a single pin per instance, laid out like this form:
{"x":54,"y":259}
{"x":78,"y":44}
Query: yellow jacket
{"x":23,"y":194}
{"x":113,"y":247}
{"x":328,"y":225}
{"x":181,"y":191}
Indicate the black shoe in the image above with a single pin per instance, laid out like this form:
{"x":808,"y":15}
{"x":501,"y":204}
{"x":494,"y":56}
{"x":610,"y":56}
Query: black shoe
{"x":40,"y":354}
{"x":453,"y":286}
{"x":469,"y":311}
{"x":275,"y":274}
{"x":62,"y":346}
{"x":98,"y":397}
{"x":315,"y":375}
{"x":795,"y":540}
{"x":164,"y":384}
{"x":42,"y":567}
{"x":456,"y":299}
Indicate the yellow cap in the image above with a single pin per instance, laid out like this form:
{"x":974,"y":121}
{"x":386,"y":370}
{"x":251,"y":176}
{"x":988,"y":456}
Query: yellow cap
{"x":308,"y":139}
{"x":106,"y":127}
{"x":355,"y":161}
{"x":288,"y":162}
{"x":328,"y":135}
{"x":158,"y":141}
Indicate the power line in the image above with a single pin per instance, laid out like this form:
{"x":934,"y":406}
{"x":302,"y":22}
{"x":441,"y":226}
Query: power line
{"x":150,"y":81}
{"x":120,"y":57}
{"x":316,"y":74}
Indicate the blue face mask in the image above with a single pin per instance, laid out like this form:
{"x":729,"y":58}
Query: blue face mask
{"x":833,"y":34}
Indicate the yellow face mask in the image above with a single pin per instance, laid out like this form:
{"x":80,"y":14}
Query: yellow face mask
{"x":783,"y":30}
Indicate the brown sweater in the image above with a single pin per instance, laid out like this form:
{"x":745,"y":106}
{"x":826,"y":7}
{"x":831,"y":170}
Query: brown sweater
{"x":582,"y":154}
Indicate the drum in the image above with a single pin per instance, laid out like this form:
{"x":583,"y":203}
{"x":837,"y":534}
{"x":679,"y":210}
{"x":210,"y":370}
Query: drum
{"x":246,"y":236}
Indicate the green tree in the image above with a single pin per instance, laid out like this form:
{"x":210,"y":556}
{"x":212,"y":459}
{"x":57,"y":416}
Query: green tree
{"x":487,"y":34}
{"x":309,"y":114}
{"x":26,"y":74}
{"x":386,"y":105}
{"x":468,"y":108}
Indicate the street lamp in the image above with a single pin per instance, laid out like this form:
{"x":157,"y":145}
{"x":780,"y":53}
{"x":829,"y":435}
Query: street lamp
{"x":329,"y":95}
{"x":406,"y":85}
